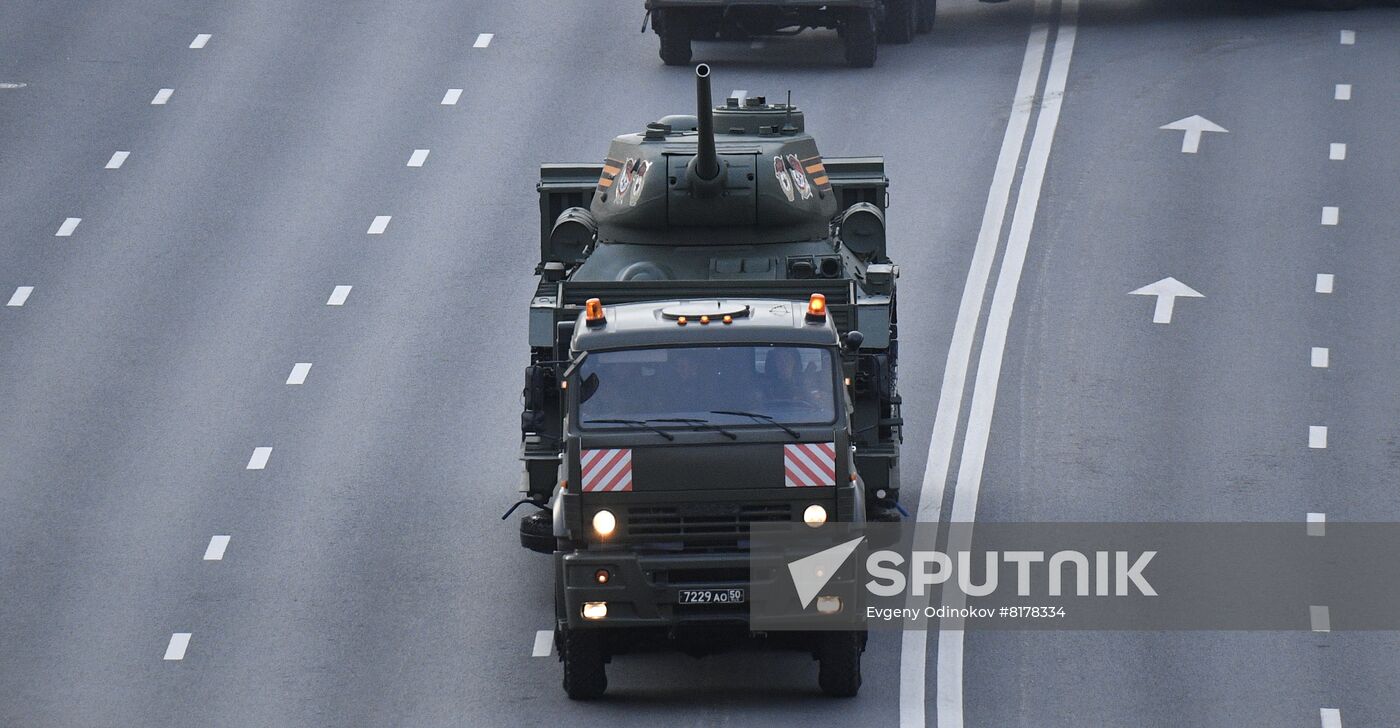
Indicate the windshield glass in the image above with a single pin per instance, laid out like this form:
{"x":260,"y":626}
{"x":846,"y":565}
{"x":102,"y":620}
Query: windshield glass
{"x":790,"y":384}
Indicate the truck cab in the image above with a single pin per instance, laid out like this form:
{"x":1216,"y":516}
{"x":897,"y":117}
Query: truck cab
{"x":688,"y":421}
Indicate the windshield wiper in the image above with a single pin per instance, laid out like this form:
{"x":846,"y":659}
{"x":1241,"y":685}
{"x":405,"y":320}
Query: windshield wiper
{"x":634,"y":423}
{"x":700,"y":423}
{"x":762,"y":418}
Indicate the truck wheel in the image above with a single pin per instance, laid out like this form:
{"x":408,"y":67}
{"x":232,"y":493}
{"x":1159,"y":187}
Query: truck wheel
{"x":675,"y":38}
{"x":900,"y":18}
{"x":859,"y":35}
{"x":581,"y":651}
{"x":927,"y":9}
{"x":838,"y":657}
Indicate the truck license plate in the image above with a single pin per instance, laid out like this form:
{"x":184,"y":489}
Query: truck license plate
{"x":712,"y":596}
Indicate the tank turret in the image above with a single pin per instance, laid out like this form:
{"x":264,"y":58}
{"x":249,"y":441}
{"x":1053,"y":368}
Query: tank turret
{"x":743,"y":173}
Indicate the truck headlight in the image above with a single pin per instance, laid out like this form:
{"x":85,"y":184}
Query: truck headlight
{"x":604,"y":523}
{"x":595,"y":610}
{"x":814,"y":516}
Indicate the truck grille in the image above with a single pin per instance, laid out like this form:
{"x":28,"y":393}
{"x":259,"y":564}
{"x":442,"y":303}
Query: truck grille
{"x":700,"y":526}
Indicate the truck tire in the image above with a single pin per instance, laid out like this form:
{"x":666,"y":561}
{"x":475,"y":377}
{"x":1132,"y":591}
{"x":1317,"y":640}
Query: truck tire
{"x":859,"y":35}
{"x":901,"y":18}
{"x":838,"y":658}
{"x":581,"y":651}
{"x":675,"y":38}
{"x":927,"y":10}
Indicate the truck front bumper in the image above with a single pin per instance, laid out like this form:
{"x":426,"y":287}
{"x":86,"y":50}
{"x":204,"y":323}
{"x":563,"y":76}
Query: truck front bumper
{"x":643,"y":590}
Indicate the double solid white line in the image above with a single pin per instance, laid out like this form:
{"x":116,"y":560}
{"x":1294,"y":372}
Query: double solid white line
{"x":950,"y":642}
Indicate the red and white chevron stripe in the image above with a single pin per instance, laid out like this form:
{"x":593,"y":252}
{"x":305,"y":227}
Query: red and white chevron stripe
{"x":810,"y":464}
{"x":606,"y":470}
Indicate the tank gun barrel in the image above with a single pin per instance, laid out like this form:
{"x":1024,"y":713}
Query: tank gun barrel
{"x":706,"y":161}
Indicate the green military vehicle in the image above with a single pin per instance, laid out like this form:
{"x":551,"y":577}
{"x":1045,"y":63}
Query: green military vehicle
{"x":713,"y":344}
{"x":862,"y":24}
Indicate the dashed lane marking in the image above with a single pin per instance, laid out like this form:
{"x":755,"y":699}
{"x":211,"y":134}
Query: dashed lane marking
{"x":1331,"y":718}
{"x":69,"y":225}
{"x":200,"y":40}
{"x":544,"y":643}
{"x":338,"y":296}
{"x":1343,"y":92}
{"x":1321,"y":357}
{"x":451,"y":97}
{"x":483,"y":40}
{"x":1317,"y":437}
{"x":117,"y":160}
{"x":1324,"y":283}
{"x":380,"y":223}
{"x":418,"y":157}
{"x":1348,"y":37}
{"x":1317,"y":524}
{"x":299,"y":372}
{"x":162,"y":96}
{"x":259,"y":459}
{"x":1331,"y":215}
{"x":179,"y":642}
{"x":21,"y":295}
{"x":1321,"y":619}
{"x":215,"y":550}
{"x":1337,"y":151}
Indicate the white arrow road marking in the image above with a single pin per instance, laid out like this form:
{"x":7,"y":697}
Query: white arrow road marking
{"x":200,"y":40}
{"x":1320,"y":357}
{"x":259,"y":459}
{"x":179,"y":642}
{"x":338,"y":296}
{"x":299,"y":372}
{"x":117,"y":160}
{"x":1321,"y":619}
{"x":21,"y":295}
{"x":215,"y":550}
{"x":1317,"y":437}
{"x":1337,"y":151}
{"x":1166,"y":290}
{"x":544,"y":643}
{"x":1194,"y":126}
{"x":1324,"y":282}
{"x":1342,"y":92}
{"x":1317,"y":524}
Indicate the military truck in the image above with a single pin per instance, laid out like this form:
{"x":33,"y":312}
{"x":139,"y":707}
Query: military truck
{"x":713,"y":344}
{"x":862,"y":24}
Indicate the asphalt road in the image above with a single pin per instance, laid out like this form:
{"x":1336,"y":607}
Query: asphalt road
{"x":366,"y":578}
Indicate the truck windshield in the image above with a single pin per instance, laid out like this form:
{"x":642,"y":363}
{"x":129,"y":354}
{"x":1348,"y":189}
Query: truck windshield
{"x":728,"y":385}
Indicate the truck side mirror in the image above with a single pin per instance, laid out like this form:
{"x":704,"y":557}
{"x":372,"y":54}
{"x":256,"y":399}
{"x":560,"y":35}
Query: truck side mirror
{"x":852,"y":340}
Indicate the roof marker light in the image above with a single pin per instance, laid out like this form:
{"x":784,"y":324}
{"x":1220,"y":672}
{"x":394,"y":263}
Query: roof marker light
{"x":593,"y":312}
{"x":680,"y":321}
{"x":704,"y":319}
{"x":728,"y":319}
{"x":816,"y":308}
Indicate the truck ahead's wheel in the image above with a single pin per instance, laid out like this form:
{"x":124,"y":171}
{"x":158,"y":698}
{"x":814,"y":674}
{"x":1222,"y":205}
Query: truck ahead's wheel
{"x":838,"y":658}
{"x":675,"y":38}
{"x":859,"y":34}
{"x":927,"y":9}
{"x":901,"y":17}
{"x":582,"y":655}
